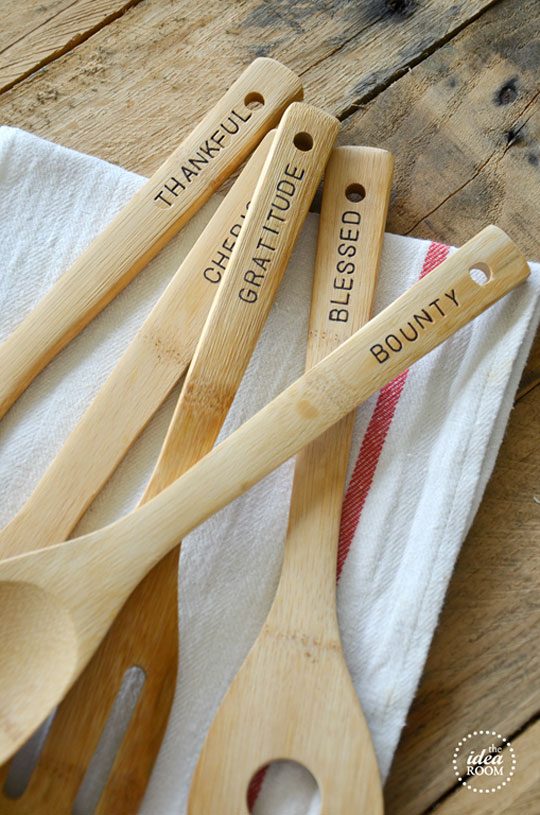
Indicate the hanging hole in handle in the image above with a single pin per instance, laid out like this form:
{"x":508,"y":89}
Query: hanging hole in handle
{"x":303,"y":141}
{"x":254,"y":100}
{"x":480,"y":273}
{"x":355,"y":193}
{"x":285,"y":775}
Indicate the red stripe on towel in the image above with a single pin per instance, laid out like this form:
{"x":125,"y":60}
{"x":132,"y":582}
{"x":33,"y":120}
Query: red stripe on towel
{"x":374,"y":438}
{"x":364,"y":470}
{"x":255,"y":787}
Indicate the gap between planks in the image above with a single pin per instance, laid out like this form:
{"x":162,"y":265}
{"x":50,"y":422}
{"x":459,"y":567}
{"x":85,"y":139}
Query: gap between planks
{"x":22,"y":44}
{"x":61,"y":31}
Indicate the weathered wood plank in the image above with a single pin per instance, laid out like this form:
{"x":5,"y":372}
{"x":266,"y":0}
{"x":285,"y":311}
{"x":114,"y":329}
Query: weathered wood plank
{"x":163,"y":61}
{"x":36,"y":34}
{"x":404,"y":32}
{"x":20,"y":18}
{"x":483,"y":668}
{"x":464,"y":126}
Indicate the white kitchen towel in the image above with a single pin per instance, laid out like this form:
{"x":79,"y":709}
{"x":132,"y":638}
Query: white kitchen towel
{"x":422,"y":453}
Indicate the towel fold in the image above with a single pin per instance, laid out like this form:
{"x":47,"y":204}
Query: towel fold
{"x":422,"y":453}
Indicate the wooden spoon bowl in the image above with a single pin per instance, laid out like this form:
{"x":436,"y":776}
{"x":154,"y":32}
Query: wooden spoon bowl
{"x":43,"y":627}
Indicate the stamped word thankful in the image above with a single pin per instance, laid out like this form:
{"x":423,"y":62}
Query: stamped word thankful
{"x":196,"y":163}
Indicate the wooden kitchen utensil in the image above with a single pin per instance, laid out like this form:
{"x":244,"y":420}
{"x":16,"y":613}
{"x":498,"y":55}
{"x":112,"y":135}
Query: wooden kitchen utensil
{"x":293,"y":697}
{"x":213,"y":150}
{"x":57,"y":604}
{"x":145,"y":374}
{"x":146,"y":631}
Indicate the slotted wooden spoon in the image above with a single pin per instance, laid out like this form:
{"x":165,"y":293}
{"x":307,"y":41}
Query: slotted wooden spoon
{"x":57,"y":604}
{"x":146,"y":632}
{"x":293,"y":697}
{"x":212,"y":151}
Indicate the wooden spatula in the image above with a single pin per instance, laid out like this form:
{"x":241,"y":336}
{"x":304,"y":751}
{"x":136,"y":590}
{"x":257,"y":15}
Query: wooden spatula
{"x":146,"y":631}
{"x":213,"y":150}
{"x":293,"y":697}
{"x":57,"y":604}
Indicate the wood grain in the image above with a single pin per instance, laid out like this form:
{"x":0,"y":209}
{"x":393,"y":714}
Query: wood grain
{"x":71,"y":103}
{"x":465,"y":128}
{"x":52,"y":621}
{"x":40,"y":33}
{"x":216,"y":146}
{"x":145,"y":374}
{"x":146,"y":631}
{"x":147,"y":61}
{"x":26,"y":16}
{"x":296,"y":671}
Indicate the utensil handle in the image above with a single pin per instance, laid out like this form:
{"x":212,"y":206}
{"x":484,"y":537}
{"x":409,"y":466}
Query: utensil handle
{"x":431,"y":311}
{"x":142,"y":378}
{"x":207,"y":392}
{"x":286,"y":187}
{"x":357,"y":189}
{"x":437,"y":306}
{"x":217,"y":145}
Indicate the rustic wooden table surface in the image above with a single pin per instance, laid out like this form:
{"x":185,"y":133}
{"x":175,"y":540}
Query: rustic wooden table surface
{"x":452,"y":89}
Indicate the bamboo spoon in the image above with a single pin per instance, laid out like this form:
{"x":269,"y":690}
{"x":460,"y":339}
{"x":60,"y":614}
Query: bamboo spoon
{"x":143,"y":377}
{"x":213,"y":150}
{"x":146,"y":632}
{"x":57,"y":604}
{"x":293,"y":697}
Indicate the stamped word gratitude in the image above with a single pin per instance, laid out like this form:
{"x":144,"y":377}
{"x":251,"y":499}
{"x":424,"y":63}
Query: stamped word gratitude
{"x":284,"y":193}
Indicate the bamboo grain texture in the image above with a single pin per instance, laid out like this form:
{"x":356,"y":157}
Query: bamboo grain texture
{"x":213,"y":150}
{"x":146,"y":632}
{"x":140,"y":382}
{"x":461,"y":155}
{"x":293,"y":697}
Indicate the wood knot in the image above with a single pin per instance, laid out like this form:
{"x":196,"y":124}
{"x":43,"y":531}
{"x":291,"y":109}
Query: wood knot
{"x":307,"y":410}
{"x":515,"y":136}
{"x":401,"y":8}
{"x":207,"y":396}
{"x":507,"y":93}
